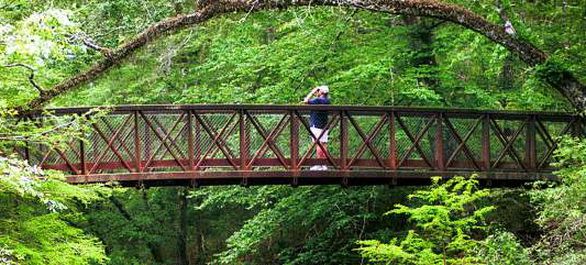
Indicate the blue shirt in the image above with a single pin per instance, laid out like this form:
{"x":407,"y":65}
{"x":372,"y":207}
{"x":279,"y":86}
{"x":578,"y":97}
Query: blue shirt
{"x":318,"y":118}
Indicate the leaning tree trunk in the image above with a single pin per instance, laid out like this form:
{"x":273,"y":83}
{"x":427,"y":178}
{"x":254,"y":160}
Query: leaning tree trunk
{"x":561,"y":79}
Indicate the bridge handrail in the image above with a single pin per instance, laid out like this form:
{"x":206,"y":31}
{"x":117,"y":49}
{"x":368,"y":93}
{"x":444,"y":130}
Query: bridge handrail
{"x":353,"y":108}
{"x":270,"y":142}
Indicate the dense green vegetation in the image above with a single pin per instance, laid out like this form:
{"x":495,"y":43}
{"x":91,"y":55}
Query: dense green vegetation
{"x":275,"y":57}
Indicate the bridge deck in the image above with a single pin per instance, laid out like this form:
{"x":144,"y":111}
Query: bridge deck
{"x":271,"y":144}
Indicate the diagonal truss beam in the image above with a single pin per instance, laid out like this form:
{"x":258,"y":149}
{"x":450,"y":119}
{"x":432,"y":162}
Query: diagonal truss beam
{"x":164,"y":139}
{"x":462,"y":145}
{"x":269,"y":139}
{"x":367,"y":139}
{"x":508,"y":144}
{"x":110,"y":143}
{"x":217,"y":139}
{"x":415,"y":140}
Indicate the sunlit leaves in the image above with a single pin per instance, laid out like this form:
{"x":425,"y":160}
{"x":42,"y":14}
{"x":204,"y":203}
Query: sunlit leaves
{"x":445,"y":218}
{"x":35,"y":210}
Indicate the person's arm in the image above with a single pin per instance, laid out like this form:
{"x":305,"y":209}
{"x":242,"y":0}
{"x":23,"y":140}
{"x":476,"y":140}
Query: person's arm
{"x":306,"y":100}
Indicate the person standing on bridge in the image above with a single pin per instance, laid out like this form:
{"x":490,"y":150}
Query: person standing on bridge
{"x":318,"y":120}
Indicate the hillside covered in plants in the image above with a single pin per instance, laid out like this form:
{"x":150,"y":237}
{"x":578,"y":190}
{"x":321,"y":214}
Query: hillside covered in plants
{"x":484,"y":54}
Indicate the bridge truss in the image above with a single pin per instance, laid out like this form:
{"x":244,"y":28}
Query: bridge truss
{"x":197,"y":145}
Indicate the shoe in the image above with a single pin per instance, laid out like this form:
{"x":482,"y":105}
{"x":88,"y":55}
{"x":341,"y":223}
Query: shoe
{"x":315,"y":168}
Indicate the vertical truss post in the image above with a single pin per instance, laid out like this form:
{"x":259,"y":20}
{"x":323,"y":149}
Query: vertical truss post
{"x":486,"y":142}
{"x":137,"y":156}
{"x":27,"y":151}
{"x":197,"y":141}
{"x":439,"y":142}
{"x":294,"y":144}
{"x":243,"y":140}
{"x":392,"y":142}
{"x":82,"y":158}
{"x":530,"y":151}
{"x":44,"y":150}
{"x":343,"y":141}
{"x":190,"y":140}
{"x":577,"y":127}
{"x":147,"y":142}
{"x":82,"y":155}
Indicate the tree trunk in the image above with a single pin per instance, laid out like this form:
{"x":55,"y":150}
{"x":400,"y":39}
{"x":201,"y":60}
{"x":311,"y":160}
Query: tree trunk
{"x":559,"y":78}
{"x":153,"y":248}
{"x":182,"y":257}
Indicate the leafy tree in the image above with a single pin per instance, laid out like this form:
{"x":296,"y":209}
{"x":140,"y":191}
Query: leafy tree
{"x":272,"y":56}
{"x":503,"y":247}
{"x":562,"y":210}
{"x":37,"y":216}
{"x":446,"y":219}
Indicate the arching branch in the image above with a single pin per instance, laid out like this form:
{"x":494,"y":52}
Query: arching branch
{"x":88,"y":42}
{"x":31,"y":77}
{"x":563,"y":81}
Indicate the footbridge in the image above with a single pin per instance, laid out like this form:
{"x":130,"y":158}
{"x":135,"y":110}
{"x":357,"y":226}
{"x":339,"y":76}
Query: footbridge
{"x":194,"y":145}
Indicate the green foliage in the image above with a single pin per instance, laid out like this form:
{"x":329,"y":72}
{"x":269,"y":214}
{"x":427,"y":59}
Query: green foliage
{"x":53,"y":131}
{"x":273,"y":57}
{"x":562,"y":209}
{"x":445,"y":220}
{"x":37,"y":210}
{"x":308,"y":225}
{"x":502,"y":247}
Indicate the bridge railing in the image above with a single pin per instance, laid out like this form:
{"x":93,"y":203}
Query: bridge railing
{"x":218,"y":138}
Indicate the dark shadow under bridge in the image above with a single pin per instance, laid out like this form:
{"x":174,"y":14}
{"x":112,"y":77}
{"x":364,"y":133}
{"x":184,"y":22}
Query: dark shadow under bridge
{"x":156,"y":145}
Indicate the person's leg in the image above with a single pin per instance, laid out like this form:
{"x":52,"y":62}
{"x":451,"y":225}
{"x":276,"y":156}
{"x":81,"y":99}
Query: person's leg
{"x":321,"y":152}
{"x":323,"y":149}
{"x":315,"y":132}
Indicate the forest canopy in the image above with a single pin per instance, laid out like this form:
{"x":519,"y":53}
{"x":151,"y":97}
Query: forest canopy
{"x":484,"y":54}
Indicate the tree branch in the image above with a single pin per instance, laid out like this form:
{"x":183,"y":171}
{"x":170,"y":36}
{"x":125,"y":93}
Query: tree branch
{"x":31,"y":77}
{"x":565,"y":82}
{"x":88,"y":42}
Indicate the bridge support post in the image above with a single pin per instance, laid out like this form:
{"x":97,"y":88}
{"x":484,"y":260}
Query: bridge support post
{"x":243,"y":140}
{"x":294,"y":144}
{"x":439,"y":143}
{"x":486,"y":142}
{"x":196,"y":141}
{"x":82,"y":157}
{"x":190,"y":140}
{"x":530,"y":152}
{"x":343,"y":141}
{"x":392,"y":142}
{"x":82,"y":154}
{"x":137,"y":155}
{"x":294,"y":147}
{"x":577,"y":127}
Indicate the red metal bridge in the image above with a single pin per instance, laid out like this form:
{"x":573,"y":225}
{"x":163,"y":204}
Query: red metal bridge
{"x":155,"y":145}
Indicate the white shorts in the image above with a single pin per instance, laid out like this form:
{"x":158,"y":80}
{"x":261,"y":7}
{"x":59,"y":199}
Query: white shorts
{"x":316,"y":132}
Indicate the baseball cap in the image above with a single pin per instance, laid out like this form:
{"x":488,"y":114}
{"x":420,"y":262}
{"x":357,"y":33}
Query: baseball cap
{"x":324,"y":89}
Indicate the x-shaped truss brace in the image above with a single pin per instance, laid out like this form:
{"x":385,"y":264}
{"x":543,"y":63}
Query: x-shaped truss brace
{"x":415,"y":140}
{"x":367,"y":140}
{"x":164,"y":138}
{"x":269,"y":140}
{"x":548,"y":139}
{"x":508,"y":144}
{"x":462,"y":146}
{"x":110,"y":144}
{"x":217,"y":140}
